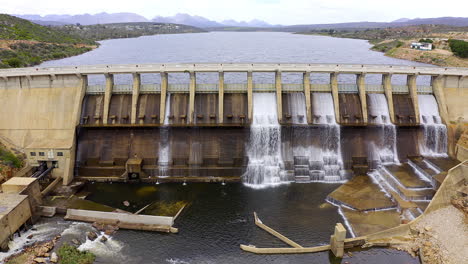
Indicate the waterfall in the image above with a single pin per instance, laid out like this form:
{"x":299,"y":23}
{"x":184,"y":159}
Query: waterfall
{"x":435,"y":132}
{"x":164,"y":142}
{"x":264,"y":147}
{"x":326,"y":162}
{"x":297,"y":108}
{"x":379,"y":115}
{"x":323,"y":108}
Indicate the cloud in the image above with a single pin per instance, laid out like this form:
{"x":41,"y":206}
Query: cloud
{"x":272,"y":11}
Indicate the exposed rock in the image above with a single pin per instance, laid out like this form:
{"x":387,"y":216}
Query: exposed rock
{"x":126,"y":203}
{"x":30,"y":236}
{"x":103,"y":239}
{"x":54,"y":258}
{"x":40,"y":260}
{"x":91,"y":235}
{"x":42,"y":251}
{"x":76,"y":242}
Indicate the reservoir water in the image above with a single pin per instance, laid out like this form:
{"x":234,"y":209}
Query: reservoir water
{"x":219,"y":217}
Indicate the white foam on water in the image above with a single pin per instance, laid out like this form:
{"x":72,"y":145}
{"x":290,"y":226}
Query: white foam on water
{"x":111,"y":249}
{"x":418,"y":171}
{"x":176,"y":261}
{"x":435,"y":132}
{"x":346,"y":222}
{"x":40,"y":232}
{"x":432,"y":167}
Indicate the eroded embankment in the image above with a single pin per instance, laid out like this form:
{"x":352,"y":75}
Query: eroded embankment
{"x":440,"y":237}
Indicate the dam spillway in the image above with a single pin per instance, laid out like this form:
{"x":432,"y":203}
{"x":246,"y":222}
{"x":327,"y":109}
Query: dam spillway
{"x":263,"y":151}
{"x":179,"y":128}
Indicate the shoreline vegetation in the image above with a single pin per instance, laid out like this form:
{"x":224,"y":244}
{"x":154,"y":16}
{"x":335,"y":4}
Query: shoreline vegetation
{"x":24,"y":43}
{"x":449,"y":42}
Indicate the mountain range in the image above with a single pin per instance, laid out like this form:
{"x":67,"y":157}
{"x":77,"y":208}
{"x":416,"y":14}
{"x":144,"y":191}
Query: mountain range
{"x":202,"y":22}
{"x":106,"y":18}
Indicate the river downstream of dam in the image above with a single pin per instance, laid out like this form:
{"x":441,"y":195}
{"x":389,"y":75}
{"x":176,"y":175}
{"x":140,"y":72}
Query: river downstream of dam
{"x":219,"y":216}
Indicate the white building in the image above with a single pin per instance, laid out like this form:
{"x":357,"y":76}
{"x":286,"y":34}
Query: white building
{"x":421,"y":46}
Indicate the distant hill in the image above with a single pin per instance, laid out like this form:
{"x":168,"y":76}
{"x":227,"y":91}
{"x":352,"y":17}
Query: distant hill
{"x":186,"y":19}
{"x":126,"y":30}
{"x":451,"y":21}
{"x":106,"y":18}
{"x":48,"y":23}
{"x":88,"y":19}
{"x":14,"y":28}
{"x":251,"y":23}
{"x":198,"y":21}
{"x":401,"y":20}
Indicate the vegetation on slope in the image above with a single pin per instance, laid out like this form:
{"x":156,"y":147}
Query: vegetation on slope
{"x":13,"y":28}
{"x":459,"y":47}
{"x":125,"y":30}
{"x":395,"y":42}
{"x":24,"y":54}
{"x":9,"y":163}
{"x":23,"y":43}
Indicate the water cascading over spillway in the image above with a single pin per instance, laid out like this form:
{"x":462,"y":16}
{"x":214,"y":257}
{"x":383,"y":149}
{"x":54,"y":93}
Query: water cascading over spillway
{"x":164,"y":144}
{"x":264,"y":147}
{"x":326,"y":161}
{"x":298,"y":108}
{"x":379,"y":115}
{"x":435,"y":132}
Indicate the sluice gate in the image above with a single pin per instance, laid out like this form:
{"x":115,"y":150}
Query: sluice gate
{"x":180,"y":125}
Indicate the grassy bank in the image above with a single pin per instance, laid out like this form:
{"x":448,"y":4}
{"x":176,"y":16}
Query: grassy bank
{"x":30,"y":53}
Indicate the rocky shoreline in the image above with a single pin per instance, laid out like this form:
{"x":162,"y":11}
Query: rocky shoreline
{"x":441,"y":236}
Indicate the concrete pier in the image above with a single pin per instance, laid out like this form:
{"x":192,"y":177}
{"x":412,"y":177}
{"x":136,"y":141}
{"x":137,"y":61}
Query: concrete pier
{"x":221,"y":98}
{"x":279,"y":92}
{"x":164,"y":84}
{"x":107,"y":96}
{"x":306,"y":83}
{"x":135,"y":94}
{"x":361,"y":84}
{"x":414,"y":96}
{"x":387,"y":86}
{"x":250,"y":95}
{"x":336,"y":100}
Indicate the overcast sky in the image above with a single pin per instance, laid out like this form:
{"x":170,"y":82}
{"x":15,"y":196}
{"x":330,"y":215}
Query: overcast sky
{"x":272,"y":11}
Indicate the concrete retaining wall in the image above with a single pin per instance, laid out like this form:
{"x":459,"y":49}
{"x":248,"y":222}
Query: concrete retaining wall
{"x":130,"y":221}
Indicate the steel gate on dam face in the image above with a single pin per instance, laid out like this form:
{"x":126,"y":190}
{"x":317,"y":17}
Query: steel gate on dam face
{"x":179,"y":127}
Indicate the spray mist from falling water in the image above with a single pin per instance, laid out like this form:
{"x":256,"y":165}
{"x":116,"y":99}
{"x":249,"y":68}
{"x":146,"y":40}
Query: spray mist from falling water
{"x":326,"y":162}
{"x":164,"y":146}
{"x":264,"y":149}
{"x":386,"y":150}
{"x":435,"y":132}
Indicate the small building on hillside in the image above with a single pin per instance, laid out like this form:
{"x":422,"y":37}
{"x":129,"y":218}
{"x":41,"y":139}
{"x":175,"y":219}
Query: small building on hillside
{"x":421,"y":46}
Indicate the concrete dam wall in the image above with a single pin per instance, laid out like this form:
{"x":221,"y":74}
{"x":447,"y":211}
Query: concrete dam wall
{"x":301,"y":131}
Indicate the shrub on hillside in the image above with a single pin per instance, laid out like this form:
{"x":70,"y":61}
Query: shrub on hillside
{"x":459,"y":47}
{"x":9,"y":159}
